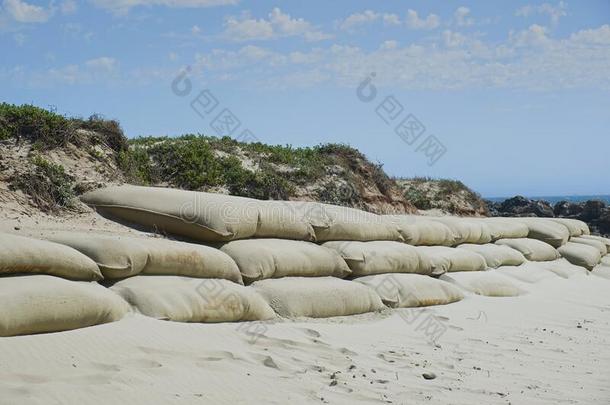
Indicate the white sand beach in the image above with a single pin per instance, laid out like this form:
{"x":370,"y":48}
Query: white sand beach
{"x":550,"y":346}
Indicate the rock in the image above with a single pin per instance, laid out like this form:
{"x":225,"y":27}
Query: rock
{"x":567,"y":209}
{"x":521,"y":206}
{"x":592,"y":210}
{"x":429,"y":375}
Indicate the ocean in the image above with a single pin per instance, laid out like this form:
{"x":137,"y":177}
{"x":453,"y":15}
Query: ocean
{"x":556,"y":198}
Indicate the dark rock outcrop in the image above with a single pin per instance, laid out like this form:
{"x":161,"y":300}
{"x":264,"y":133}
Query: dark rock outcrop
{"x":520,"y":206}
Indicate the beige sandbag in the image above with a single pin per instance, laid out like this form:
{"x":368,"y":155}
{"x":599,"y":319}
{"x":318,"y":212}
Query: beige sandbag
{"x":120,"y":256}
{"x":580,"y":255}
{"x":319,"y":297}
{"x":564,"y":268}
{"x":600,"y":246}
{"x":532,"y":249}
{"x":496,"y":255}
{"x":453,"y":259}
{"x":376,"y":257}
{"x":40,"y":304}
{"x":501,"y":228}
{"x":201,"y":216}
{"x":575,"y":226}
{"x":602,"y":270}
{"x":19,"y":254}
{"x":332,"y":222}
{"x":486,"y":283}
{"x":185,"y":299}
{"x":605,"y":241}
{"x":421,"y":231}
{"x":605,"y":260}
{"x":466,"y":230}
{"x":411,"y":290}
{"x":546,"y":230}
{"x":530,"y":272}
{"x":273,"y":258}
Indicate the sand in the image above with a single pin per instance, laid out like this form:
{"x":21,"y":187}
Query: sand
{"x":551,"y":346}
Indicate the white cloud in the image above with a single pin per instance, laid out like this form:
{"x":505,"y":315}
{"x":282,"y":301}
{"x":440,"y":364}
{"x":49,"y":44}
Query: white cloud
{"x":414,"y":22}
{"x":102,"y":64}
{"x":279,"y":24}
{"x":24,"y":12}
{"x":195,"y":30}
{"x":554,"y":12}
{"x":535,"y":35}
{"x":462,"y":17}
{"x":122,"y":7}
{"x":599,"y":36}
{"x":453,"y":39}
{"x":68,"y":7}
{"x":366,"y":17}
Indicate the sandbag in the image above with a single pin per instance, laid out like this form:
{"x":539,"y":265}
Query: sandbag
{"x":580,"y":255}
{"x":599,"y":245}
{"x":185,"y":299}
{"x":319,"y":297}
{"x":41,"y":303}
{"x":200,"y":216}
{"x":575,"y":226}
{"x":273,"y":258}
{"x":411,"y":290}
{"x":606,"y":260}
{"x":376,"y":257}
{"x":486,"y":283}
{"x":466,"y":230}
{"x":120,"y":256}
{"x":530,"y":272}
{"x":532,"y":249}
{"x":421,"y":231}
{"x":448,"y":259}
{"x":602,"y":270}
{"x":496,"y":255}
{"x":605,"y":241}
{"x":332,"y":222}
{"x":546,"y":230}
{"x":21,"y":255}
{"x":564,"y":268}
{"x":501,"y":228}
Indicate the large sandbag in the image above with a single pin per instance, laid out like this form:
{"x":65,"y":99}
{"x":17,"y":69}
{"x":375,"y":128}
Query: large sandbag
{"x":40,"y":303}
{"x":21,"y":255}
{"x":466,"y":230}
{"x":201,"y":216}
{"x":421,"y":231}
{"x":185,"y":299}
{"x":530,"y":272}
{"x":486,"y":283}
{"x":605,"y":260}
{"x":120,"y":256}
{"x":496,"y":255}
{"x":564,"y":268}
{"x":532,"y":249}
{"x":273,"y":258}
{"x":501,"y":228}
{"x":453,"y":259}
{"x":546,"y":230}
{"x":377,"y":257}
{"x":599,"y":245}
{"x":601,"y":239}
{"x":580,"y":255}
{"x":411,"y":290}
{"x":575,"y":226}
{"x":319,"y":297}
{"x":332,"y":222}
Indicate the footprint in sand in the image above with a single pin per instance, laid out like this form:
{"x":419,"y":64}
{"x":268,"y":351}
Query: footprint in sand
{"x":218,"y":356}
{"x":267,"y":361}
{"x":311,"y":332}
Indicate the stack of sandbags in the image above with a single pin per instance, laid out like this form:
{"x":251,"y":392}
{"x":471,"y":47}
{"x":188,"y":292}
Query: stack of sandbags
{"x":487,"y":283}
{"x":120,"y":256}
{"x":530,"y":272}
{"x":37,"y":293}
{"x":377,"y":257}
{"x":601,"y":239}
{"x":564,"y":268}
{"x":200,"y":216}
{"x":533,"y":249}
{"x":505,"y":228}
{"x":496,"y":255}
{"x":546,"y":230}
{"x":411,"y":290}
{"x":187,"y":299}
{"x":448,"y":259}
{"x":421,"y":231}
{"x":332,"y":222}
{"x":596,"y":243}
{"x":317,"y":297}
{"x":466,"y":230}
{"x":259,"y":259}
{"x":580,"y":254}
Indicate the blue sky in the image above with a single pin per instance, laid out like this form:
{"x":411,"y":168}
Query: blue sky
{"x":516,"y":94}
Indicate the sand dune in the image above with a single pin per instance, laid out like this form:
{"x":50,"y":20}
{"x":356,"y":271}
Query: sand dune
{"x":549,"y":346}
